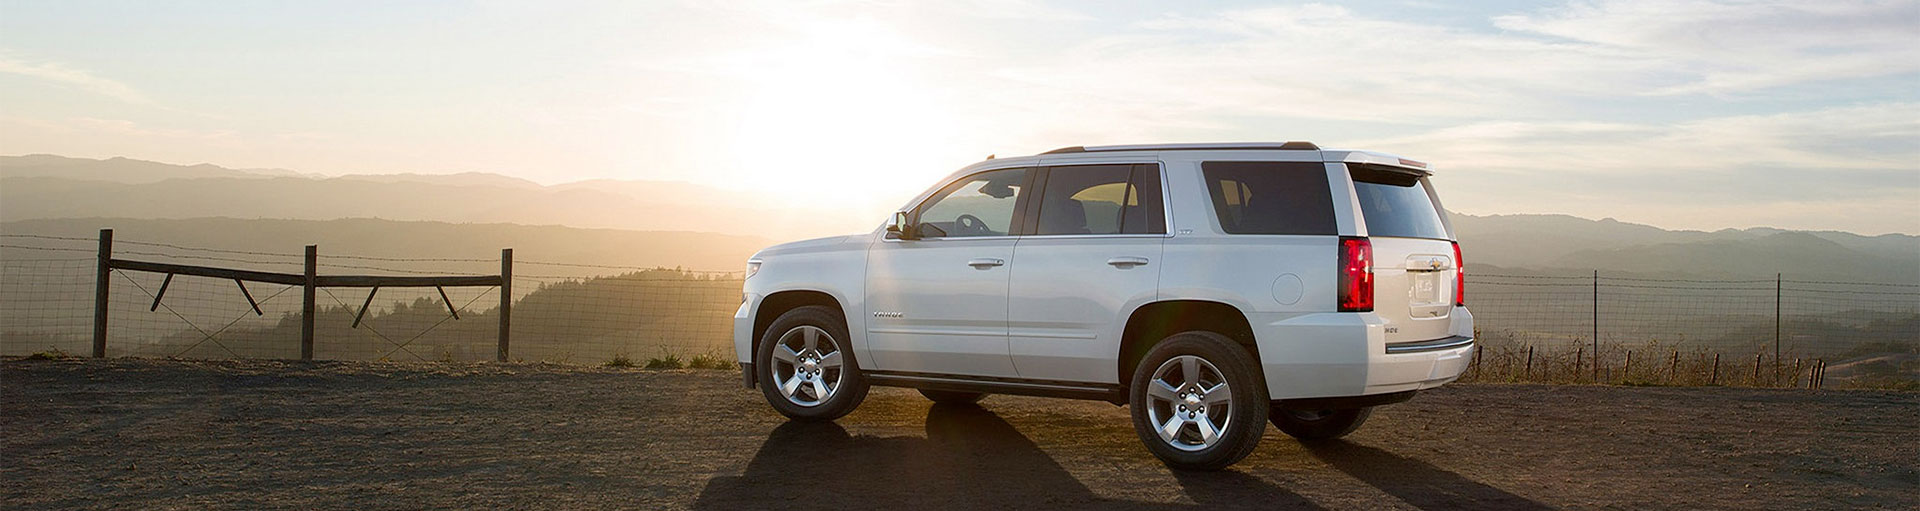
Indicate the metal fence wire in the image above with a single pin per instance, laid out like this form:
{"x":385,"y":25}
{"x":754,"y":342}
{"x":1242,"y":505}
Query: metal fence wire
{"x":1549,"y":327}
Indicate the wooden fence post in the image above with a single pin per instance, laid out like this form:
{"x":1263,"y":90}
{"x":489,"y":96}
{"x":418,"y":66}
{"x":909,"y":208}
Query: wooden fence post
{"x":1673,"y":369}
{"x":1715,"y":379}
{"x":1529,"y":372}
{"x":306,"y":302}
{"x":1820,"y":374}
{"x":100,"y":287}
{"x":1578,"y":362}
{"x":1596,"y":331}
{"x":1626,"y":370}
{"x":1778,"y":278}
{"x":1756,"y":369}
{"x":506,"y":299}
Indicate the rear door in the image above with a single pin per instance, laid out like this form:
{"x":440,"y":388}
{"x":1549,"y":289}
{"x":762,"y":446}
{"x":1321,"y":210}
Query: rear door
{"x":1413,"y":266}
{"x":1093,"y":255}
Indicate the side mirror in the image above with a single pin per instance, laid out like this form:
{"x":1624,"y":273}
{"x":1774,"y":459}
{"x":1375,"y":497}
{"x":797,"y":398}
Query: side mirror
{"x":900,"y":227}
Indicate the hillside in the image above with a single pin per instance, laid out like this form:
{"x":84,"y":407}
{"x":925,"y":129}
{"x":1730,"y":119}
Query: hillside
{"x":46,"y":187}
{"x":1560,"y":242}
{"x":120,"y":170}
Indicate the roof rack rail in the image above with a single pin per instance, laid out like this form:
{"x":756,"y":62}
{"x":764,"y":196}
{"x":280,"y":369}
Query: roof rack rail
{"x":1297,"y":145}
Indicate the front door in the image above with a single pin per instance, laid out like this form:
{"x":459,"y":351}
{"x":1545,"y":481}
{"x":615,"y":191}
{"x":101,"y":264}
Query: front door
{"x":938,"y":304}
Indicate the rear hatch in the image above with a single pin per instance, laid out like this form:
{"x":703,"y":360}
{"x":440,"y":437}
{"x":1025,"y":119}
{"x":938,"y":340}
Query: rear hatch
{"x":1413,"y":258}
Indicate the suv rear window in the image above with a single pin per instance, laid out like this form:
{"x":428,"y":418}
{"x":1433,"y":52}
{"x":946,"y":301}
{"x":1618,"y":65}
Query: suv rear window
{"x":1261,"y":197}
{"x":1396,"y":204}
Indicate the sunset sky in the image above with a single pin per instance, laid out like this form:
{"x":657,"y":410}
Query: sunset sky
{"x":1696,"y":115}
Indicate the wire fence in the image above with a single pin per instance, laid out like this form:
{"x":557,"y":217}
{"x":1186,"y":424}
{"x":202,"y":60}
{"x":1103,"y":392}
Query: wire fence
{"x":1758,"y":332}
{"x":563,"y":312}
{"x":1542,"y":327}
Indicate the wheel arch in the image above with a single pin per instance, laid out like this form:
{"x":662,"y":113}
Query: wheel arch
{"x":780,"y":302}
{"x":1150,"y":323}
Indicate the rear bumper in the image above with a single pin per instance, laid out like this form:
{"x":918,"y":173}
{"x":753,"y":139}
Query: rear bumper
{"x":1334,"y":355}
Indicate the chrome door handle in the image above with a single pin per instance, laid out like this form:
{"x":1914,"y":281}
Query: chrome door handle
{"x":986,"y":262}
{"x":1127,"y":261}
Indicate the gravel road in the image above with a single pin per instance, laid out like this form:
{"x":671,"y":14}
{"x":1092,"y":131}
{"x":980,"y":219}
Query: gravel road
{"x":122,"y":433}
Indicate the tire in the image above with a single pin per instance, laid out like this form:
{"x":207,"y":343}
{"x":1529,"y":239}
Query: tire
{"x":953,"y":397}
{"x":804,"y":354}
{"x":1203,"y":361}
{"x":1310,"y":425}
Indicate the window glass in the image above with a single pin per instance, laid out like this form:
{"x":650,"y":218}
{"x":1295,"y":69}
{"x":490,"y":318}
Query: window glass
{"x":978,"y":205}
{"x":1252,"y":197}
{"x":1145,"y":213}
{"x":1101,"y":199}
{"x":1084,"y":199}
{"x":1396,"y":204}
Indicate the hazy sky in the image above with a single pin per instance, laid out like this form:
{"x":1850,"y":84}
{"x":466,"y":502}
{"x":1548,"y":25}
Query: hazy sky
{"x":1698,"y":115}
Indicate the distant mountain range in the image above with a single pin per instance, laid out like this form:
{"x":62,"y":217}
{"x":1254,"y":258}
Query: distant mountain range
{"x":46,"y":186}
{"x":660,"y":223}
{"x":1570,"y":243}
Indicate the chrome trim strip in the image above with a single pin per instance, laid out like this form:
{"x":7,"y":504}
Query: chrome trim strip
{"x":935,"y":331}
{"x":1458,"y":341}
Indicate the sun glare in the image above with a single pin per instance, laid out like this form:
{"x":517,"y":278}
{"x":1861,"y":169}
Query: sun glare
{"x":837,"y":115}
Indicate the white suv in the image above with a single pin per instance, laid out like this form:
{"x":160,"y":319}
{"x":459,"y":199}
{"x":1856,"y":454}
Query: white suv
{"x":1213,"y":287}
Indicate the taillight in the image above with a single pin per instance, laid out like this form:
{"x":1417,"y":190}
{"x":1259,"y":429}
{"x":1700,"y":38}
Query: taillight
{"x":1459,"y":277}
{"x":1356,"y":275}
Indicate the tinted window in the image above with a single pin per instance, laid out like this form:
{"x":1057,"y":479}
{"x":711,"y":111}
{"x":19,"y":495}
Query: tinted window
{"x":1145,"y":213}
{"x":1396,"y":204}
{"x":1100,"y":199}
{"x":978,"y":205}
{"x":1270,"y":197}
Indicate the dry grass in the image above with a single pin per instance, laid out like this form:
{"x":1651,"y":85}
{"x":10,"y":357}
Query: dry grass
{"x":1510,"y":358}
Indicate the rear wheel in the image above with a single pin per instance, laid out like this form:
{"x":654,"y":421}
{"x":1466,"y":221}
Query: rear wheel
{"x":1319,"y":424}
{"x":953,"y":397}
{"x":807,"y":372}
{"x":1198,"y":401}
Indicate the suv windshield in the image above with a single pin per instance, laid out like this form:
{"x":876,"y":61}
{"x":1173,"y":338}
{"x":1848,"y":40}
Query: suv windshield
{"x":1396,"y":204}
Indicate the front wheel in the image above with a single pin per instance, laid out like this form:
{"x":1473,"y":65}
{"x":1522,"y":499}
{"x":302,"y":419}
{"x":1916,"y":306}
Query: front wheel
{"x":1199,"y":402}
{"x":806,"y":371}
{"x":1319,"y":424}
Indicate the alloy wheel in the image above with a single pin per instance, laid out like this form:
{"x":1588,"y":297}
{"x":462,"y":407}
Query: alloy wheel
{"x":808,"y":365}
{"x":1189,"y":403}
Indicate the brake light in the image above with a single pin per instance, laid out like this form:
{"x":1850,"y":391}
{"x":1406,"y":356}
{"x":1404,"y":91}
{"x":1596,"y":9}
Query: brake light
{"x":1459,"y":277}
{"x":1356,"y":275}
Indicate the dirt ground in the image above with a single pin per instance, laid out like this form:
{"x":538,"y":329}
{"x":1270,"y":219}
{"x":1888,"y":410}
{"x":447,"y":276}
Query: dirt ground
{"x":120,"y":433}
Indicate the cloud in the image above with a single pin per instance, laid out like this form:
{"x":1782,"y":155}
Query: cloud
{"x":1724,"y":46}
{"x":1328,"y":62}
{"x":1851,"y":138}
{"x":83,"y":80}
{"x":1850,"y":167}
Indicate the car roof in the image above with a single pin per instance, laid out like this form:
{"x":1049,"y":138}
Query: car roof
{"x":1326,"y":155}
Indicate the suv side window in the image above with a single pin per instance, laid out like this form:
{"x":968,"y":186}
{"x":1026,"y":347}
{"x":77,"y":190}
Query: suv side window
{"x":1256,"y":197}
{"x":1101,"y":199}
{"x":977,"y":205}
